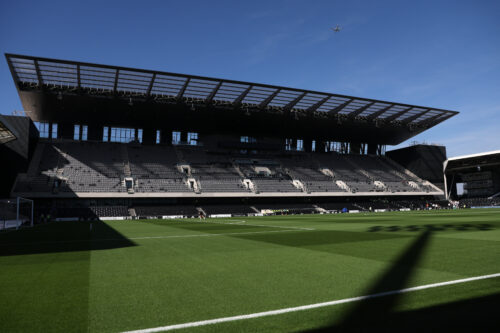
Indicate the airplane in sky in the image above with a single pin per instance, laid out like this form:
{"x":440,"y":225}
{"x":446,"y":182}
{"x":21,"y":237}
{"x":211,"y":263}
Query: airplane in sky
{"x":337,"y":28}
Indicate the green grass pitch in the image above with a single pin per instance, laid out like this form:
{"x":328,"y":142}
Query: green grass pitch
{"x":130,"y":275}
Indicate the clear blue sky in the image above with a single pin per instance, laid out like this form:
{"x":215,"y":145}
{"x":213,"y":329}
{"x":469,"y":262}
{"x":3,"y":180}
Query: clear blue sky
{"x":442,"y":54}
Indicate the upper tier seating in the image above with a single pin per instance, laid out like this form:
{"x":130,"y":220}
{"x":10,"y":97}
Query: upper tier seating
{"x":71,"y":166}
{"x":218,"y":178}
{"x":153,"y":162}
{"x":267,"y":176}
{"x":91,"y":167}
{"x":155,"y":169}
{"x":80,"y":167}
{"x":381,"y":171}
{"x":313,"y":179}
{"x":347,"y":172}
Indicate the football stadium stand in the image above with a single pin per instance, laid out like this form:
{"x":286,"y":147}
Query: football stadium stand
{"x":108,"y":141}
{"x":478,"y":175}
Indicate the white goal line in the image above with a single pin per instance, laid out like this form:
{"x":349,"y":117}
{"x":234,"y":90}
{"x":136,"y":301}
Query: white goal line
{"x":309,"y":306}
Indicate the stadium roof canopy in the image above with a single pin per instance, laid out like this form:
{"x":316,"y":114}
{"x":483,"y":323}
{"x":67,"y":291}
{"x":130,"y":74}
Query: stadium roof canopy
{"x":464,"y":157}
{"x":64,"y":76}
{"x":485,"y":159}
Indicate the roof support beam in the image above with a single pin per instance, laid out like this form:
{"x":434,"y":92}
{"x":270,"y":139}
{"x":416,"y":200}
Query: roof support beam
{"x":379,"y":112}
{"x":318,"y":104}
{"x":449,"y":115}
{"x":290,"y":105}
{"x":431,"y":120}
{"x":213,"y":93}
{"x":397,"y":114}
{"x":151,"y":83}
{"x":416,"y":116}
{"x":38,"y":73}
{"x":183,"y":89}
{"x":12,"y":70}
{"x":360,"y":110}
{"x":242,"y":96}
{"x":269,"y":99}
{"x":116,"y":81}
{"x":338,"y":108}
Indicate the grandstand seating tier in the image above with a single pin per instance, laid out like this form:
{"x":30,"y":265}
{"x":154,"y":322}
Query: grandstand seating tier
{"x":91,"y":167}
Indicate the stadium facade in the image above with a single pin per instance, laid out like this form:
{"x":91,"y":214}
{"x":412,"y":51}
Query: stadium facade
{"x":140,"y":143}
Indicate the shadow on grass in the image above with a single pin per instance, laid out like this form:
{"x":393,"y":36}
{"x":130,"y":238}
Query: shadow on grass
{"x":394,"y":279}
{"x":318,"y":237}
{"x":377,"y":314}
{"x":62,"y":237}
{"x":52,"y":287}
{"x":367,"y":314}
{"x":472,"y":315}
{"x":432,"y":227}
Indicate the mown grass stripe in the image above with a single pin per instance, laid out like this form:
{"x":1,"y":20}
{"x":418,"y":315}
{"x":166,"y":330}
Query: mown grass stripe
{"x":309,"y":306}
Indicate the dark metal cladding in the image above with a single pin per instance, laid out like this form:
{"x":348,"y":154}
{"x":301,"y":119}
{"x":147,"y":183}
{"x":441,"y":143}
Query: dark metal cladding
{"x":70,"y":91}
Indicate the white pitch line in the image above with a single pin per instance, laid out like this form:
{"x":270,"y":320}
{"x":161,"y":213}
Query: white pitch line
{"x":213,"y":235}
{"x":253,"y":225}
{"x":157,"y":237}
{"x":309,"y":306}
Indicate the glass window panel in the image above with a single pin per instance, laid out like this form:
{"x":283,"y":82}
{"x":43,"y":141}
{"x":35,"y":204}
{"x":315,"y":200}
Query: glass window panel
{"x":105,"y":134}
{"x":54,"y":131}
{"x":76,"y":132}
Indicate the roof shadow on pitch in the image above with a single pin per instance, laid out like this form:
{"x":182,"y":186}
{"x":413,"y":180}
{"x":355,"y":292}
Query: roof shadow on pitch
{"x":472,"y":315}
{"x":433,"y":227}
{"x":62,"y":237}
{"x":303,"y":238}
{"x":373,"y":313}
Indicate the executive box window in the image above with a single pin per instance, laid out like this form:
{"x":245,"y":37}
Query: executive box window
{"x":139,"y":135}
{"x":43,"y":129}
{"x":176,"y":137}
{"x":105,"y":133}
{"x":85,"y":132}
{"x":76,"y":132}
{"x":158,"y":136}
{"x":192,"y":138}
{"x":80,"y":132}
{"x":54,"y":131}
{"x":300,"y":145}
{"x":119,"y":134}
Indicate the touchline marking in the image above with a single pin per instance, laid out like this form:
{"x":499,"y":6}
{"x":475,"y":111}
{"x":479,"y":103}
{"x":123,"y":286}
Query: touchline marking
{"x":253,"y":225}
{"x":157,"y":237}
{"x":213,"y":235}
{"x":309,"y":306}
